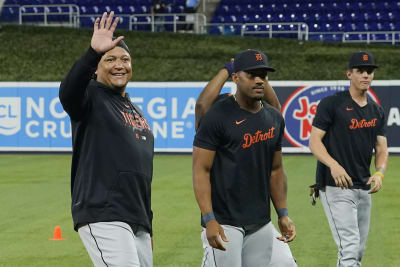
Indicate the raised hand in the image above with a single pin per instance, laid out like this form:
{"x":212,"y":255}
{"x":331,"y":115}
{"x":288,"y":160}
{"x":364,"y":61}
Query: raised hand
{"x":103,"y":31}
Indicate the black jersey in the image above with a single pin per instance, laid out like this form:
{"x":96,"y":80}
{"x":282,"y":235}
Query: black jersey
{"x":112,"y":161}
{"x":245,"y":144}
{"x":350,"y":138}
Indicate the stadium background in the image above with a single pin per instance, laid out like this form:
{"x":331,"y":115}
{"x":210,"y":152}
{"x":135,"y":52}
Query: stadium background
{"x":35,"y":187}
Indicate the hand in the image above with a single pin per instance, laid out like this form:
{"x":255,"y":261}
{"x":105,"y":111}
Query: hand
{"x":103,"y":33}
{"x":287,"y":228}
{"x":213,"y":232}
{"x":342,"y":179}
{"x":229,"y":67}
{"x":376,"y":180}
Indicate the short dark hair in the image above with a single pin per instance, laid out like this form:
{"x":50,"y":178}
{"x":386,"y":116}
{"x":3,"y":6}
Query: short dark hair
{"x":123,"y":45}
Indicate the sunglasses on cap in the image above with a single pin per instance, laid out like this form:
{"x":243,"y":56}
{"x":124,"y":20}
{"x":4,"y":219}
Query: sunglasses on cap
{"x":369,"y":70}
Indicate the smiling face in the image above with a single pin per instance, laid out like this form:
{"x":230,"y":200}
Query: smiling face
{"x":361,"y":78}
{"x":115,"y":69}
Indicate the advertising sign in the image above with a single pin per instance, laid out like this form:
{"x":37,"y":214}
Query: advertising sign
{"x":32,"y":118}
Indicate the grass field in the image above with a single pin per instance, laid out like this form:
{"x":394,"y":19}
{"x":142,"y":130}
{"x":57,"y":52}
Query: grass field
{"x":35,"y":197}
{"x":47,"y":53}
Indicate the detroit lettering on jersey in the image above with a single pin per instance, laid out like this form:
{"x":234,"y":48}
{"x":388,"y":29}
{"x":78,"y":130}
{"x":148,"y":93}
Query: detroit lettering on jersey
{"x":358,"y":124}
{"x":259,"y":136}
{"x":133,"y":120}
{"x":357,"y":129}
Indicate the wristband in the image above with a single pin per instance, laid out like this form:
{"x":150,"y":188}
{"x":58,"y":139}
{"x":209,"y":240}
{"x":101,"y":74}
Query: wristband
{"x":229,"y":67}
{"x":380,"y":174}
{"x":283,"y":212}
{"x":208,"y":217}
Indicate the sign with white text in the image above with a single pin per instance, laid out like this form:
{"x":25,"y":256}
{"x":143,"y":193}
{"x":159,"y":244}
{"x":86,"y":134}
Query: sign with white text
{"x":32,"y":118}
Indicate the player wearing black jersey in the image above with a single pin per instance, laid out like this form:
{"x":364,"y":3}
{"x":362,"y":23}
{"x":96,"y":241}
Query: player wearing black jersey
{"x":347,"y":127}
{"x":113,"y":148}
{"x":237,"y":168}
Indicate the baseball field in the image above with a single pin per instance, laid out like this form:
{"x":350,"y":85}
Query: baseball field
{"x":35,"y":197}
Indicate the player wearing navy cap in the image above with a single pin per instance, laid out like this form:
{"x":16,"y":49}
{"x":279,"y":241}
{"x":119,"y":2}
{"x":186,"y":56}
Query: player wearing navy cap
{"x":347,"y":128}
{"x":237,"y":169}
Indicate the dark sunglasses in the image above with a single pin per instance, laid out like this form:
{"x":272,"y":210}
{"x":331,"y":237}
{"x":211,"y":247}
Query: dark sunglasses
{"x":369,"y":70}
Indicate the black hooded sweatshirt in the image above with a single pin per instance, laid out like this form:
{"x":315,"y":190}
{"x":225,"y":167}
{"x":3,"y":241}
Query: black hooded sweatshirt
{"x":113,"y":148}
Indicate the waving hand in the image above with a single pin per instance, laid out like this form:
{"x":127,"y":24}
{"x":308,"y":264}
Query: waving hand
{"x":103,"y":31}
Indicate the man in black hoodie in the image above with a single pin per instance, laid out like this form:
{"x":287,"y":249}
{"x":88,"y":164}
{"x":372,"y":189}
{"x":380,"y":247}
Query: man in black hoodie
{"x":113,"y":147}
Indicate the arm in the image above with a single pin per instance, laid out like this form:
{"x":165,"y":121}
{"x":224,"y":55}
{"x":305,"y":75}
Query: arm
{"x":278,"y":191}
{"x":381,"y":157}
{"x":214,"y":87}
{"x":72,"y":92}
{"x":210,"y":93}
{"x":339,"y":174}
{"x":73,"y":88}
{"x":270,"y":96}
{"x":202,"y":163}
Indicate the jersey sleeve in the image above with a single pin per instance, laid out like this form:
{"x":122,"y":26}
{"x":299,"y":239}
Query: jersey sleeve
{"x":209,"y":133}
{"x":280,"y":136}
{"x":325,"y":114}
{"x":73,"y":92}
{"x":382,"y":126}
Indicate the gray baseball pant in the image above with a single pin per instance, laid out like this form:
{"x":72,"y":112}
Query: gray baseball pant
{"x":348,"y":212}
{"x":248,"y":248}
{"x":115,"y":244}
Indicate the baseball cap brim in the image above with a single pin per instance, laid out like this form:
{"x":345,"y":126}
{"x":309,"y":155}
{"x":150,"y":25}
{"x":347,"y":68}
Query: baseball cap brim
{"x":364,"y":65}
{"x":260,"y":67}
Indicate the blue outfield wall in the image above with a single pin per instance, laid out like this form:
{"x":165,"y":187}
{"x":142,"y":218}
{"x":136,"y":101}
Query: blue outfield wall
{"x":32,"y":118}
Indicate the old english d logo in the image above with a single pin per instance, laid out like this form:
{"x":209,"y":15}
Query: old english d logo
{"x":259,"y":57}
{"x":365,"y":57}
{"x":10,"y":115}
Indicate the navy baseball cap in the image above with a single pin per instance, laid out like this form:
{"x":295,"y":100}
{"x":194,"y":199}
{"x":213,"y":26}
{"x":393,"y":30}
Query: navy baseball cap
{"x":250,"y":60}
{"x":362,"y":59}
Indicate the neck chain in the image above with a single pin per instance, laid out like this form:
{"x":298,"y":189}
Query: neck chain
{"x":261,"y":104}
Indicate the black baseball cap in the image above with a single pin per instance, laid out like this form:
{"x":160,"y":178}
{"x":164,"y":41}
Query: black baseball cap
{"x":362,"y":59}
{"x":250,"y":60}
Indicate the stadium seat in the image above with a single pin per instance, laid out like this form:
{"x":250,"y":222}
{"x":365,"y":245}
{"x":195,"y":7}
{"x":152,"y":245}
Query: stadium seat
{"x":294,"y":17}
{"x":10,"y":14}
{"x":320,"y":15}
{"x":86,"y":22}
{"x":216,"y":30}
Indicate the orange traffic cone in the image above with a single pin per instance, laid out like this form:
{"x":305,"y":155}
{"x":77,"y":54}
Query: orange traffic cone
{"x":57,"y":234}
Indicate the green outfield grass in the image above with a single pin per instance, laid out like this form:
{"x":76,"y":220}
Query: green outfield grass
{"x":35,"y":197}
{"x":47,"y":53}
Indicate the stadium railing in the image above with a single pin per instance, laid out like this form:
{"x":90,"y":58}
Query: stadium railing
{"x":69,"y":15}
{"x":287,"y":28}
{"x":372,"y":37}
{"x":59,"y":14}
{"x":198,"y":21}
